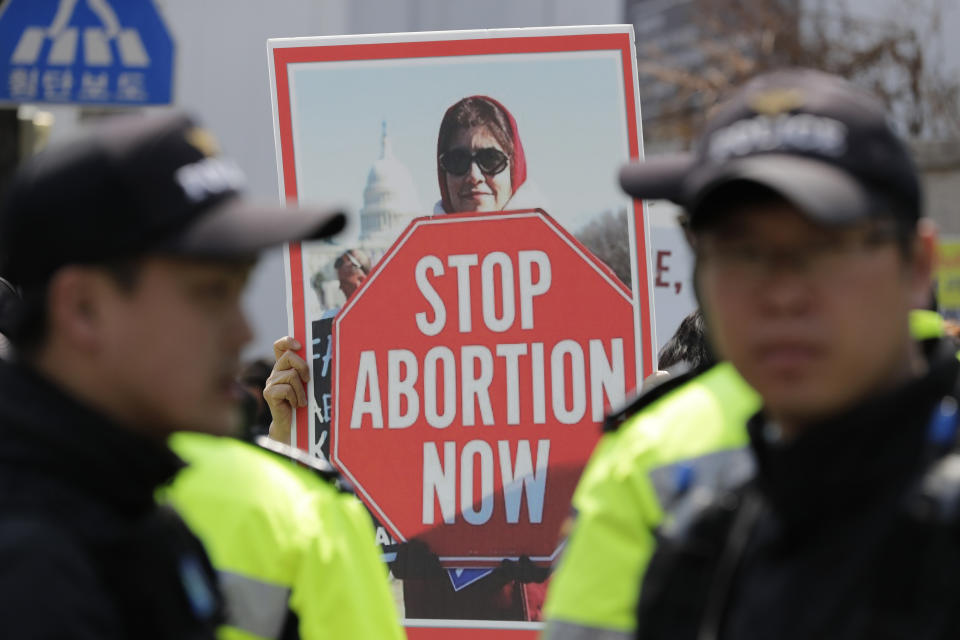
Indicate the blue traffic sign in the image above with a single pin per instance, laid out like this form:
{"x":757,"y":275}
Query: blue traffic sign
{"x":115,"y":52}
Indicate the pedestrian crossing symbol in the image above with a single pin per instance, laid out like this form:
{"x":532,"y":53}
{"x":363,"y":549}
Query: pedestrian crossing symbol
{"x":85,"y":51}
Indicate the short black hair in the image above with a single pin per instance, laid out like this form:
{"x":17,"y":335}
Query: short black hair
{"x":688,"y":345}
{"x":255,"y":373}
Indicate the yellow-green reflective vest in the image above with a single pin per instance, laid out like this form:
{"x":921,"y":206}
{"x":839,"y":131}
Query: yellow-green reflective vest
{"x":597,"y":583}
{"x":283,"y":540}
{"x":596,"y":586}
{"x":925,"y":325}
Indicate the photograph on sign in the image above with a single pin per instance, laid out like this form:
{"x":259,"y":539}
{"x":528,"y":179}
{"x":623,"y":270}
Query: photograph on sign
{"x":490,"y":301}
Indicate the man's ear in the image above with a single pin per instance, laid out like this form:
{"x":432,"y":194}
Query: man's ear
{"x":74,"y":308}
{"x":924,"y":262}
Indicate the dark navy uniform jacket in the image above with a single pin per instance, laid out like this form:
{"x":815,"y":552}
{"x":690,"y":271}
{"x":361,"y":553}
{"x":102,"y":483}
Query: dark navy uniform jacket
{"x":85,"y":552}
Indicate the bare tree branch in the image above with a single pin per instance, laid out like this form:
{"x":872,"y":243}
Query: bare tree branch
{"x":740,"y":38}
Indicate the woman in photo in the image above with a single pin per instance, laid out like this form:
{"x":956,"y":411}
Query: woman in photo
{"x":480,"y":161}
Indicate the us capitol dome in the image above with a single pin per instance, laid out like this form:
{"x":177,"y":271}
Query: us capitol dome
{"x":390,"y":203}
{"x":390,"y":199}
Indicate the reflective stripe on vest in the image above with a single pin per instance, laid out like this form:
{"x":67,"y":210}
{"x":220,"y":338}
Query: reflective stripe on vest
{"x":254,"y":606}
{"x":568,"y":631}
{"x":717,"y":470}
{"x":685,"y":488}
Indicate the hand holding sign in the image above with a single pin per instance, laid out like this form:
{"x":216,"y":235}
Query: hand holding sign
{"x":285,"y":390}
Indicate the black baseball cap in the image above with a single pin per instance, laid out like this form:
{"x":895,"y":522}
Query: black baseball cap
{"x":139,"y":185}
{"x":811,"y":137}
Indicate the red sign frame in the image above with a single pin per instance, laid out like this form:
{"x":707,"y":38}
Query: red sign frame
{"x":617,"y":39}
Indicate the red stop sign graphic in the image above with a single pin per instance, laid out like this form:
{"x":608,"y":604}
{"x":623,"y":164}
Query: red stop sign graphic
{"x":472,"y":370}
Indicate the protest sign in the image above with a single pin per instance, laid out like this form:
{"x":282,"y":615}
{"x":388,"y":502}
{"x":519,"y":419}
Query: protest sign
{"x":394,"y":126}
{"x":482,"y":384}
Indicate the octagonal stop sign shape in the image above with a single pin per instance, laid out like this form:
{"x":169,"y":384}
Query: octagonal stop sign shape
{"x":472,"y":372}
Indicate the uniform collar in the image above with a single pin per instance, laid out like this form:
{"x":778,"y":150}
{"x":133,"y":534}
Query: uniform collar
{"x":45,"y":431}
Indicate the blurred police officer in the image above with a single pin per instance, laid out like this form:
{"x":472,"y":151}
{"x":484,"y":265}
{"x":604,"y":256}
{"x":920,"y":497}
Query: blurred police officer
{"x":129,"y":249}
{"x":841,"y":518}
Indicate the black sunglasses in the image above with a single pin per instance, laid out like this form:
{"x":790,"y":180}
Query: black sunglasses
{"x":490,"y":160}
{"x":348,"y":258}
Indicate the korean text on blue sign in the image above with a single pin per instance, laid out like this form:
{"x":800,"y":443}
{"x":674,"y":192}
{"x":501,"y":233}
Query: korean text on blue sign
{"x":85,"y":51}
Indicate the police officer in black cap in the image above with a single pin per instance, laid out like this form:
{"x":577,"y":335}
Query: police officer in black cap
{"x":841,"y":518}
{"x":127,"y":252}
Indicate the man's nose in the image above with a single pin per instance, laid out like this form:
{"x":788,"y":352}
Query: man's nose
{"x":787,"y":287}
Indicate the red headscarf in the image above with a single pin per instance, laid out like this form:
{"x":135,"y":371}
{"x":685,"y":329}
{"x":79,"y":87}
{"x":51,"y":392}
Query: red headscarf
{"x":518,"y":163}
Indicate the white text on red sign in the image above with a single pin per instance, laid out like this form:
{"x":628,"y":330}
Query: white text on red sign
{"x":450,"y":385}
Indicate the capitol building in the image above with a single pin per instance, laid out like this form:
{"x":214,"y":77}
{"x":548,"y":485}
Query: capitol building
{"x":390,"y":203}
{"x":390,"y":200}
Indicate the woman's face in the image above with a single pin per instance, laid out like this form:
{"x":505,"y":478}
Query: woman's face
{"x":476,"y":190}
